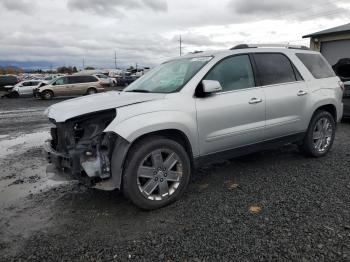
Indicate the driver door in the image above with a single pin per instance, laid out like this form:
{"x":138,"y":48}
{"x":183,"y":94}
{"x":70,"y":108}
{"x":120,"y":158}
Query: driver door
{"x":61,"y":86}
{"x":234,"y":117}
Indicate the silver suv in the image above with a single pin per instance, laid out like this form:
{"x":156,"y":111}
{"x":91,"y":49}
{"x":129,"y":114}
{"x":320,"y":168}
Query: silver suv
{"x":194,"y":110}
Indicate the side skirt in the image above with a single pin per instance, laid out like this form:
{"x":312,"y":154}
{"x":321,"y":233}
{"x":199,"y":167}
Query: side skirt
{"x":245,"y":150}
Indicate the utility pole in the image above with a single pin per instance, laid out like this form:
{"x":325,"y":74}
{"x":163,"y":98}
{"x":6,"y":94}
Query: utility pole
{"x":83,"y":63}
{"x":115,"y":59}
{"x":180,"y":45}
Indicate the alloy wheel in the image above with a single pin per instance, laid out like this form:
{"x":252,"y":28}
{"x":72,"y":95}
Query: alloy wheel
{"x":322,"y":135}
{"x":159,"y":174}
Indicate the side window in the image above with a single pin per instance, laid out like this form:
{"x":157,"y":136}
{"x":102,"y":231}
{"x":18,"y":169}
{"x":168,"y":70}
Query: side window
{"x":233,"y":73}
{"x":74,"y":79}
{"x":61,"y":81}
{"x":26,"y":84}
{"x":274,"y":69}
{"x":317,"y":65}
{"x":91,"y":79}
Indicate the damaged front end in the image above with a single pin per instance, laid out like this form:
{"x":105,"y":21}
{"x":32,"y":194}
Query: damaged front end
{"x":79,"y":146}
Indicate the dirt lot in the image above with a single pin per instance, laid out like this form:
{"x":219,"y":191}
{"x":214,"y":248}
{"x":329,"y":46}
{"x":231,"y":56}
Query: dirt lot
{"x":275,"y":205}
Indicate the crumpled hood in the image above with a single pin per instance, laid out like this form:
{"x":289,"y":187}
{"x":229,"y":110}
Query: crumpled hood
{"x":63,"y":111}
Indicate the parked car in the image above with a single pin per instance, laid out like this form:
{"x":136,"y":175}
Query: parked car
{"x":24,"y":88}
{"x":126,"y":80}
{"x":342,"y":69}
{"x":7,"y":82}
{"x":105,"y":80}
{"x":196,"y":110}
{"x":346,"y":99}
{"x":70,"y":86}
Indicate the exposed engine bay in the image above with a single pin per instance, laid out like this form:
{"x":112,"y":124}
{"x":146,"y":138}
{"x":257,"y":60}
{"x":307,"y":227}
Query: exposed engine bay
{"x":80,"y":146}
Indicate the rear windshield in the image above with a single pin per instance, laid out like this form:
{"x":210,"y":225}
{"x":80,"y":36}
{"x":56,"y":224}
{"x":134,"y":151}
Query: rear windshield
{"x":317,"y":65}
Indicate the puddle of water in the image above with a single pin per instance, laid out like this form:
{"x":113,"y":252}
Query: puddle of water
{"x":22,"y":143}
{"x":18,"y":187}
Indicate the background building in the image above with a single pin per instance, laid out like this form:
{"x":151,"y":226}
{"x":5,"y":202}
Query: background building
{"x":333,"y":43}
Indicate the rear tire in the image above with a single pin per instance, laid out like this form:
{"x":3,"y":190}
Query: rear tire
{"x":320,"y":135}
{"x":91,"y":91}
{"x":157,"y":172}
{"x":47,"y":95}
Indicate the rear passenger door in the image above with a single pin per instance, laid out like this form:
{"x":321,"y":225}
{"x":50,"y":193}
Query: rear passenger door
{"x":76,"y":83}
{"x":286,"y":94}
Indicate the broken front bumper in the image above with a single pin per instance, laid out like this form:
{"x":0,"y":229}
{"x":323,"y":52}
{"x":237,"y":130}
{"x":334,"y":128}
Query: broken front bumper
{"x":95,"y":169}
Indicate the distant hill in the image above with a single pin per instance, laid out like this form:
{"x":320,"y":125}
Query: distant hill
{"x":27,"y":65}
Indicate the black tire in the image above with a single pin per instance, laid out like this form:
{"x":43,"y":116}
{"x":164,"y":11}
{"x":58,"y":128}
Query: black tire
{"x":47,"y":95}
{"x":91,"y":91}
{"x":13,"y":94}
{"x":308,"y":146}
{"x":135,"y":158}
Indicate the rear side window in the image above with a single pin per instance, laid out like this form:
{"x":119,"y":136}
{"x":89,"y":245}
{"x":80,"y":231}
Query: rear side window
{"x":317,"y":65}
{"x":274,"y":69}
{"x":90,"y":79}
{"x":233,"y":73}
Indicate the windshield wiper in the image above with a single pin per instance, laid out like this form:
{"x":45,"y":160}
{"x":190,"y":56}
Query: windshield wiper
{"x":138,"y":91}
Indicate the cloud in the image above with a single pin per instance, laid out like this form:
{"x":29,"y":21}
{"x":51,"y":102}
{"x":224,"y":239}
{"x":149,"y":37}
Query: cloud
{"x":22,"y":6}
{"x":116,"y":7}
{"x":286,"y":10}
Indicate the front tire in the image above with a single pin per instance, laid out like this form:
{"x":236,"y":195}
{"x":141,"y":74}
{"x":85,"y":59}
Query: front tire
{"x":157,"y":172}
{"x":320,"y":135}
{"x":47,"y":95}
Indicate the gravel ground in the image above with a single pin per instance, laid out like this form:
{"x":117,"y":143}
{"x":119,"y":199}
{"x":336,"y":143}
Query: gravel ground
{"x":272,"y":206}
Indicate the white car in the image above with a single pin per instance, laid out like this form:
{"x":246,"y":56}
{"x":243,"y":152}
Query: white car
{"x":195,"y":110}
{"x":24,"y":88}
{"x":105,"y":80}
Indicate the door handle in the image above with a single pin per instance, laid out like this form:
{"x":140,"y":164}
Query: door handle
{"x":302,"y":93}
{"x":255,"y":100}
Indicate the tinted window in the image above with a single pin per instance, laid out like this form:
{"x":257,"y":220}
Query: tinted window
{"x":74,"y":79}
{"x":26,"y":84}
{"x":274,"y":69}
{"x":233,"y":73}
{"x":317,"y":65}
{"x":90,"y":79}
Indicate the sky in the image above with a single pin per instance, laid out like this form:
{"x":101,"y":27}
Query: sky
{"x":146,"y":32}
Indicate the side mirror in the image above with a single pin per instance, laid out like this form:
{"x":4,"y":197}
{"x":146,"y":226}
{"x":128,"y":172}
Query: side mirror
{"x":211,"y":86}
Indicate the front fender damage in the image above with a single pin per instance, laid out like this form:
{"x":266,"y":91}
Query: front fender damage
{"x":91,"y":155}
{"x":113,"y":165}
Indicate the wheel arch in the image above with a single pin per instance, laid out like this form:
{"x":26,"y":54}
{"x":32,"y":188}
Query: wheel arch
{"x":173,"y":134}
{"x":123,"y":149}
{"x":330,"y":108}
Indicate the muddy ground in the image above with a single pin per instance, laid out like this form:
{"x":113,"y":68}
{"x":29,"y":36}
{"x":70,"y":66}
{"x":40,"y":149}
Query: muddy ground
{"x":275,"y":205}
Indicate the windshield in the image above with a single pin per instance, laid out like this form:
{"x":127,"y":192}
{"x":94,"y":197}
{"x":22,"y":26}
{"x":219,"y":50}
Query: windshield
{"x":52,"y":81}
{"x":169,"y":77}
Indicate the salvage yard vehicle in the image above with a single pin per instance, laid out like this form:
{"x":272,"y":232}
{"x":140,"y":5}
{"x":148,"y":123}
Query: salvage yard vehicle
{"x":24,"y":88}
{"x":346,"y":99}
{"x":7,"y":82}
{"x":194,"y":110}
{"x":69,"y":86}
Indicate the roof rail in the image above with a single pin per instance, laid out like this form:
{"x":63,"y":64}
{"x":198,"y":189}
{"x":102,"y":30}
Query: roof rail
{"x":243,"y":46}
